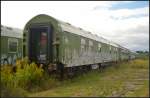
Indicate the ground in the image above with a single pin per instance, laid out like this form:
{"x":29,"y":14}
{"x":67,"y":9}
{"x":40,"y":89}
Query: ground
{"x":128,"y":79}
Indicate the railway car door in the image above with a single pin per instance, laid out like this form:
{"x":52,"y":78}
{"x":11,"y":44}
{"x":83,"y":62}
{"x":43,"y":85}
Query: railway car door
{"x":39,"y":49}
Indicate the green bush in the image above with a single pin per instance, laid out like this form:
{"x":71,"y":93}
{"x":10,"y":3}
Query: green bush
{"x":7,"y":76}
{"x":28,"y":76}
{"x":25,"y":77}
{"x":8,"y":87}
{"x":20,"y":64}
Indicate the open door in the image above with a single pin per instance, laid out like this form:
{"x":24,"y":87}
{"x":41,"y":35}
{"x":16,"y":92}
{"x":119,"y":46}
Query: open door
{"x":40,"y":44}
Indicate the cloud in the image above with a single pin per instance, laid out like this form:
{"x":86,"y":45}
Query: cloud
{"x":127,"y":13}
{"x":135,"y":39}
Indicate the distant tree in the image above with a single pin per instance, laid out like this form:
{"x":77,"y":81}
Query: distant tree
{"x":139,"y":51}
{"x":146,"y":52}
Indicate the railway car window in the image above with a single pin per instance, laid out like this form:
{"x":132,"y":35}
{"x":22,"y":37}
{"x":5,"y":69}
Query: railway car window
{"x":12,"y":45}
{"x":43,"y":42}
{"x":83,"y":45}
{"x":110,"y":49}
{"x":90,"y":45}
{"x":99,"y":47}
{"x":66,"y":40}
{"x":113,"y":50}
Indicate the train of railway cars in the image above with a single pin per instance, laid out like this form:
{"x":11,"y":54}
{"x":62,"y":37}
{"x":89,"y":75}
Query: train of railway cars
{"x":60,"y":46}
{"x":11,"y":45}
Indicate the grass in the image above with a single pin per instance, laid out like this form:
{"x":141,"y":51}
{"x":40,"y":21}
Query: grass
{"x":130,"y":79}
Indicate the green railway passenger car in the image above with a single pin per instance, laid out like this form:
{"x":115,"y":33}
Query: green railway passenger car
{"x":59,"y":45}
{"x":11,"y":45}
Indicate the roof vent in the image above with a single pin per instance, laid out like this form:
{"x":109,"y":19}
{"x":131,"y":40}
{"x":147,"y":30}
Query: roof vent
{"x":9,"y":28}
{"x":95,"y":34}
{"x":80,"y":28}
{"x":68,"y":23}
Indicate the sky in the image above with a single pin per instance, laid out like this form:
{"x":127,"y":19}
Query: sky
{"x":123,"y":22}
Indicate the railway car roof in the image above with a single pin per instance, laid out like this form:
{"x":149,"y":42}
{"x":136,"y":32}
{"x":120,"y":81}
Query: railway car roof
{"x":69,"y":28}
{"x":11,"y":32}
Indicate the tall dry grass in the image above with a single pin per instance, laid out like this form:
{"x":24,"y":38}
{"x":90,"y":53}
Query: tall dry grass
{"x":140,"y":63}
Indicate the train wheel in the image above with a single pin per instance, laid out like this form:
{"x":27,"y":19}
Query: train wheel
{"x":99,"y":66}
{"x":60,"y":71}
{"x":70,"y":72}
{"x":84,"y":69}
